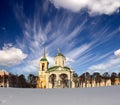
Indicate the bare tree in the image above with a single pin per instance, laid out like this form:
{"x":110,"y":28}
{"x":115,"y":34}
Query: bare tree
{"x":97,"y":78}
{"x":75,"y":79}
{"x":82,"y":79}
{"x":113,"y":77}
{"x":91,"y":80}
{"x":12,"y":80}
{"x":32,"y":80}
{"x":1,"y":80}
{"x":119,"y":77}
{"x":5,"y":80}
{"x":21,"y":81}
{"x":87,"y":78}
{"x":105,"y":77}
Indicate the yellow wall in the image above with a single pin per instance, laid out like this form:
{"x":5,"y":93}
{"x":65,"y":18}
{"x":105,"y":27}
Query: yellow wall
{"x":41,"y":82}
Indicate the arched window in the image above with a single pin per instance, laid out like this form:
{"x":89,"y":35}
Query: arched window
{"x":43,"y":67}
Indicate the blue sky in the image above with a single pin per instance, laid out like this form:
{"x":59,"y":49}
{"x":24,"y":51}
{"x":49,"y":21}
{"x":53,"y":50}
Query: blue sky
{"x":86,"y":31}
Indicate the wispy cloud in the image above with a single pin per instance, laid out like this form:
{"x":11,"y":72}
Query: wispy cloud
{"x":79,"y":51}
{"x":112,"y":64}
{"x":72,"y":33}
{"x":33,"y":35}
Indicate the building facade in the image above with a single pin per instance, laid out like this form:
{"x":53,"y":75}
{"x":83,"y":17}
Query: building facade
{"x":4,"y":78}
{"x":94,"y":84}
{"x":58,"y":76}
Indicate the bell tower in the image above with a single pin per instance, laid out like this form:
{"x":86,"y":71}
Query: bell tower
{"x":43,"y":68}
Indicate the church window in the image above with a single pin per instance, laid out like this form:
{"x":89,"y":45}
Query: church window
{"x":56,"y":62}
{"x":43,"y":67}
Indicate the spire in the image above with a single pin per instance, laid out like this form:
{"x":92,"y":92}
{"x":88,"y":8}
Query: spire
{"x":44,"y":53}
{"x":44,"y":56}
{"x":58,"y":50}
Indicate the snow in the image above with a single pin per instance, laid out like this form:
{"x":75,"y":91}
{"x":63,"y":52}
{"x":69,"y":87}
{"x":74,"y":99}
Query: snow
{"x":79,"y":96}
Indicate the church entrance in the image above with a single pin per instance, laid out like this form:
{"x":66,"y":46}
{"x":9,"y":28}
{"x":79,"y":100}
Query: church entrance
{"x":52,"y":80}
{"x":64,"y":80}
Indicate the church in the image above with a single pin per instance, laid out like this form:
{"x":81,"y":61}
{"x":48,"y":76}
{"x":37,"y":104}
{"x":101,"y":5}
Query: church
{"x":57,"y":76}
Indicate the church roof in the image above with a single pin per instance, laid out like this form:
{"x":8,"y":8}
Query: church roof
{"x":55,"y":67}
{"x":60,"y":54}
{"x":43,"y":59}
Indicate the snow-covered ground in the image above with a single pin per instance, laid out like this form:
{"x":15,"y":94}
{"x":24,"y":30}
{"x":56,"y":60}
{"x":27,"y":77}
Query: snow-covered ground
{"x":80,"y":96}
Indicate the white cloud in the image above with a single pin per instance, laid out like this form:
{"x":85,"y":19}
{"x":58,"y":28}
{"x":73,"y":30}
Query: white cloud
{"x":25,"y":69}
{"x":108,"y":66}
{"x":36,"y":62}
{"x":11,"y":56}
{"x":50,"y":60}
{"x":117,"y":53}
{"x":94,"y":6}
{"x":69,"y":61}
